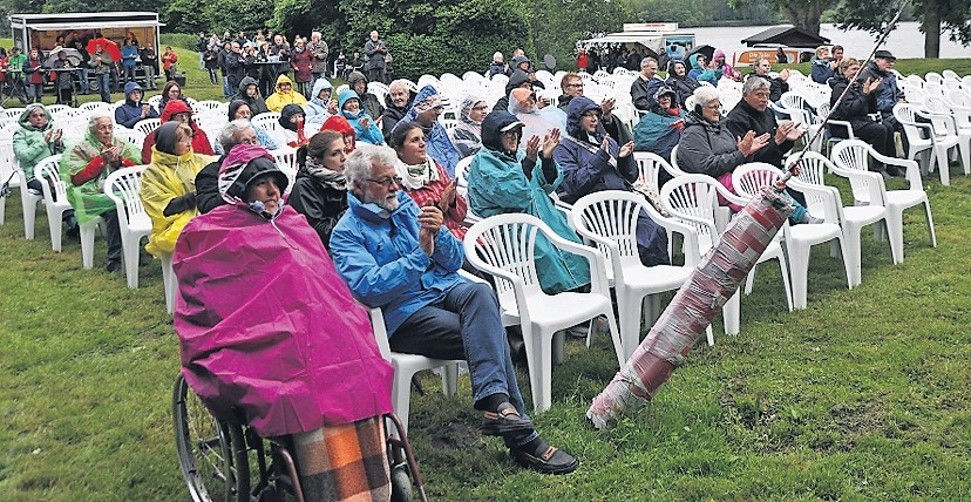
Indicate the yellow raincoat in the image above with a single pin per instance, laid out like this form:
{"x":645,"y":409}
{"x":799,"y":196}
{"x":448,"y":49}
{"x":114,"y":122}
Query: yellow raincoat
{"x":276,"y":101}
{"x":167,"y":177}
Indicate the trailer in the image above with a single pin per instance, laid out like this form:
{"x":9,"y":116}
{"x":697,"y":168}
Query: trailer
{"x":44,"y":30}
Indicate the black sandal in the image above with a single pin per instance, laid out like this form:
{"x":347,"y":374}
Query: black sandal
{"x":552,"y":461}
{"x":505,"y":422}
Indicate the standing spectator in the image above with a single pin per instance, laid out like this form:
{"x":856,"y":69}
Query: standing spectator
{"x":16,"y":74}
{"x":643,"y":89}
{"x":318,"y":48}
{"x":4,"y":65}
{"x":149,"y":66}
{"x":302,"y":62}
{"x":375,"y":51}
{"x":100,"y":65}
{"x":582,"y":61}
{"x":129,"y":55}
{"x":211,"y":59}
{"x":279,"y":52}
{"x":236,"y":65}
{"x":169,"y":62}
{"x":85,"y":86}
{"x":780,"y":56}
{"x":34,"y":68}
{"x":202,"y":43}
{"x":224,"y":54}
{"x":267,"y":78}
{"x":497,"y":66}
{"x":134,"y":110}
{"x":340,"y":65}
{"x":64,"y":82}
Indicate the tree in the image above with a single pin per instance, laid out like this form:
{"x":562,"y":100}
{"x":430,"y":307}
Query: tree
{"x":803,"y":14}
{"x":556,"y":25}
{"x":934,"y":16}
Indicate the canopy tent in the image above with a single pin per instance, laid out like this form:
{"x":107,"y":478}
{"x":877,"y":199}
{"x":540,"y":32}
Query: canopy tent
{"x":657,"y":38}
{"x":786,"y":35}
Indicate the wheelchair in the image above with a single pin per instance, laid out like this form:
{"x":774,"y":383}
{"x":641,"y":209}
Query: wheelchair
{"x":228,"y":462}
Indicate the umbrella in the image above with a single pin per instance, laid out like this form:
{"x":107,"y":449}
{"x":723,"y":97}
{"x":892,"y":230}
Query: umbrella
{"x":110,"y":47}
{"x":73,"y":56}
{"x":707,"y":50}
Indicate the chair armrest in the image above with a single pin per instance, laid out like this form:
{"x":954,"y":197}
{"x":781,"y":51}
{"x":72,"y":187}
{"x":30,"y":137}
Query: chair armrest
{"x":598,"y":265}
{"x":847,"y":125}
{"x":874,"y":181}
{"x":380,"y":331}
{"x":828,"y":193}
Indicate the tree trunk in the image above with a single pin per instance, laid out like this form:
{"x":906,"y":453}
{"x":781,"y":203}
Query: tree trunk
{"x":932,"y":29}
{"x":805,"y":15}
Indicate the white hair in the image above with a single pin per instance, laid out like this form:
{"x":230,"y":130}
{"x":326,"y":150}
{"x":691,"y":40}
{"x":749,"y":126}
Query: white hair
{"x":227,"y":136}
{"x":95,"y":116}
{"x":361,"y":162}
{"x":704,"y":95}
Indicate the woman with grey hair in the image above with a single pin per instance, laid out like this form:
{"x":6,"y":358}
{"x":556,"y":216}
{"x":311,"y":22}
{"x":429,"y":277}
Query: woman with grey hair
{"x":467,"y":135}
{"x":85,"y":166}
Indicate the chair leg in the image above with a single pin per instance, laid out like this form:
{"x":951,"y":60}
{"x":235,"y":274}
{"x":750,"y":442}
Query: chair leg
{"x":930,"y":222}
{"x":616,"y":337}
{"x":799,"y":268}
{"x":129,"y":251}
{"x":731,"y":313}
{"x":895,"y":229}
{"x":54,"y":223}
{"x":87,"y":244}
{"x":29,"y":206}
{"x":169,"y":286}
{"x":630,"y":329}
{"x":401,"y":396}
{"x":784,"y":268}
{"x":539,"y":359}
{"x":853,"y":255}
{"x":450,"y":379}
{"x":943,"y":165}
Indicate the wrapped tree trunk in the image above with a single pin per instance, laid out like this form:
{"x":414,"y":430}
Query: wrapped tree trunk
{"x":683,"y":323}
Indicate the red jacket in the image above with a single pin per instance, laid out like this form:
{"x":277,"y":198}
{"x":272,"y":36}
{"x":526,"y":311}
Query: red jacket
{"x":200,"y":142}
{"x":35,"y":67}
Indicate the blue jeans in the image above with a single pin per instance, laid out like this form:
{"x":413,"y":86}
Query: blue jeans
{"x":83,"y":77}
{"x":465,"y":324}
{"x":227,"y":92}
{"x":104,"y":80}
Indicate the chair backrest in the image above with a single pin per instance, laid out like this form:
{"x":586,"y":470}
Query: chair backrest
{"x":462,"y":175}
{"x":75,"y":128}
{"x":98,"y":107}
{"x":146,"y":126}
{"x":208,"y":105}
{"x":8,"y":161}
{"x":692,"y":199}
{"x":854,"y":154}
{"x":505,"y":245}
{"x":154,"y":101}
{"x":812,"y":170}
{"x":448,"y":124}
{"x":611,"y":215}
{"x":54,"y":109}
{"x":748,"y":179}
{"x":49,"y":169}
{"x":933,"y":77}
{"x":122,"y":188}
{"x":133,"y":136}
{"x":650,"y":165}
{"x":12,"y":114}
{"x":674,"y":160}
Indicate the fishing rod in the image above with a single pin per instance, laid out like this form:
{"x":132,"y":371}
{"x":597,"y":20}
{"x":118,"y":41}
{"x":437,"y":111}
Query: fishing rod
{"x":781,"y":182}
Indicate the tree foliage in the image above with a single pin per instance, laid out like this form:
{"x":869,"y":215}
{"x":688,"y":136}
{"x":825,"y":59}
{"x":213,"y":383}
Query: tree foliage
{"x":935,"y":16}
{"x":803,"y":14}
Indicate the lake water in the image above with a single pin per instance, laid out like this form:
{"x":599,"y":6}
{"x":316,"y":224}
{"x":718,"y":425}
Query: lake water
{"x":905,"y":42}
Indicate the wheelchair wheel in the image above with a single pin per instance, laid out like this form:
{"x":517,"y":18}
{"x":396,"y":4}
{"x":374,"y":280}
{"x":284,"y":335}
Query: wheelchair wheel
{"x":206,"y":453}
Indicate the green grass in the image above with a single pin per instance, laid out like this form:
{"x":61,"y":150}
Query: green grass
{"x":865,"y":395}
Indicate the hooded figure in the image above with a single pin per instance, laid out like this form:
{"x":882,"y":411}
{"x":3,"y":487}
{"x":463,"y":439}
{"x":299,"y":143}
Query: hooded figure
{"x":722,"y":67}
{"x":318,"y":108}
{"x":285,"y":94}
{"x":29,"y":143}
{"x":200,"y":142}
{"x":467,"y":135}
{"x":168,"y":189}
{"x":292,"y":121}
{"x":659,"y":130}
{"x":440,"y":147}
{"x":702,"y":74}
{"x":256,"y":103}
{"x":588,"y":168}
{"x":367,"y":131}
{"x":506,"y":181}
{"x":522,"y":104}
{"x":133,"y":110}
{"x":306,"y":358}
{"x":516,"y":80}
{"x":340,"y":124}
{"x":682,"y":85}
{"x":369,"y":102}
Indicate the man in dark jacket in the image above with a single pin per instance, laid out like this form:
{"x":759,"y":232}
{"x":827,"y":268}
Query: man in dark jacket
{"x":236,"y":132}
{"x":236,"y":64}
{"x":375,"y":51}
{"x":777,"y":85}
{"x":752,"y":113}
{"x":572,"y":86}
{"x":643,"y":89}
{"x":519,"y":78}
{"x":888,"y":94}
{"x":134,"y":110}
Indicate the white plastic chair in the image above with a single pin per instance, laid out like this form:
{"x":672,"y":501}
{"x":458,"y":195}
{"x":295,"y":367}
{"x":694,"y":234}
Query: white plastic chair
{"x":405,"y":366}
{"x":270,"y":121}
{"x":462,"y":175}
{"x":208,"y":105}
{"x":448,"y":124}
{"x":852,"y":219}
{"x":47,"y":172}
{"x":155,"y":101}
{"x":55,"y":109}
{"x":853,"y":155}
{"x":98,"y":107}
{"x":133,"y":136}
{"x":12,"y":114}
{"x":28,"y":198}
{"x":923,"y":136}
{"x":121,"y":187}
{"x":504,"y":246}
{"x":692,"y":198}
{"x":956,"y":120}
{"x":147,"y":126}
{"x":609,"y":219}
{"x":286,"y":160}
{"x":170,"y":284}
{"x":748,"y":181}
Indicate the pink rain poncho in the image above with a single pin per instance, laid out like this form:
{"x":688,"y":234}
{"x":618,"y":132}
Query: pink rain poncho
{"x":267,"y":326}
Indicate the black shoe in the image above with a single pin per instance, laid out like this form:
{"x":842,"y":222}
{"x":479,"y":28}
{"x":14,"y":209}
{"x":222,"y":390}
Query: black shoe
{"x":113,"y":266}
{"x":552,"y":461}
{"x":506,"y":422}
{"x":893,"y":171}
{"x":74,"y":232}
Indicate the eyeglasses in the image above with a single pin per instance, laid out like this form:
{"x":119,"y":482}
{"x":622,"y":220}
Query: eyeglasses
{"x":387,"y":181}
{"x":480,"y":108}
{"x":575,"y":86}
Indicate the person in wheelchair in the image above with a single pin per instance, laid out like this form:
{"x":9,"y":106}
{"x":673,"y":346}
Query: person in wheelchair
{"x":270,"y":335}
{"x":400,"y":257}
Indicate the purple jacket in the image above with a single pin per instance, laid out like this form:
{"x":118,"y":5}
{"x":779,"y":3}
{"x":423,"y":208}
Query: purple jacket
{"x":267,"y":326}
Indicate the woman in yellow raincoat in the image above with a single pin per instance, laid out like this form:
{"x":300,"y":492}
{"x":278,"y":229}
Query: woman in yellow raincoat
{"x":284,"y":95}
{"x":168,"y":185}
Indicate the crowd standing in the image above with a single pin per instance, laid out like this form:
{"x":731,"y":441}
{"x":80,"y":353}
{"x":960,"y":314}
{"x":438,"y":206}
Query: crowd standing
{"x":383,"y":225}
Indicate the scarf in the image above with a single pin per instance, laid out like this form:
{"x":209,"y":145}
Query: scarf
{"x":326,"y":177}
{"x":414,"y":177}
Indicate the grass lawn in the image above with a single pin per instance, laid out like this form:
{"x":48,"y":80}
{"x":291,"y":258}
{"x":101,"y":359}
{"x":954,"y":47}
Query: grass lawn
{"x":865,"y":395}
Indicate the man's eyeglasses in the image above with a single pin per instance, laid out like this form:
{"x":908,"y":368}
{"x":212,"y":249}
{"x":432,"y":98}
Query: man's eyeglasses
{"x":387,"y":180}
{"x":480,"y":108}
{"x":575,"y":86}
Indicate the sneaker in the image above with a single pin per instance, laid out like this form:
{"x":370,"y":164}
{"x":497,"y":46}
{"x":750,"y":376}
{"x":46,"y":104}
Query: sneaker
{"x":113,"y":266}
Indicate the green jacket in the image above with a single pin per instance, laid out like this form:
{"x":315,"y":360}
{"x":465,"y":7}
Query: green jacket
{"x":16,"y":66}
{"x":29,"y":146}
{"x":88,"y":198}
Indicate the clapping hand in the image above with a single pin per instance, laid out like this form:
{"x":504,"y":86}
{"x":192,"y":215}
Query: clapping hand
{"x":550,"y":142}
{"x":787,"y":131}
{"x":532,"y":147}
{"x":626,"y":149}
{"x":365,"y":122}
{"x":430,"y":221}
{"x":448,"y":197}
{"x":750,"y":143}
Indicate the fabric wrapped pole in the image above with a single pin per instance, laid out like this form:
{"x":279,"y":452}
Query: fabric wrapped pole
{"x":710,"y":286}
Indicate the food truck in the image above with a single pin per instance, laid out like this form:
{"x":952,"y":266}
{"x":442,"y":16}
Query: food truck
{"x":43,"y":30}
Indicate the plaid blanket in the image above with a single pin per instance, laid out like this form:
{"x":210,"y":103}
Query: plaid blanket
{"x":344,"y":462}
